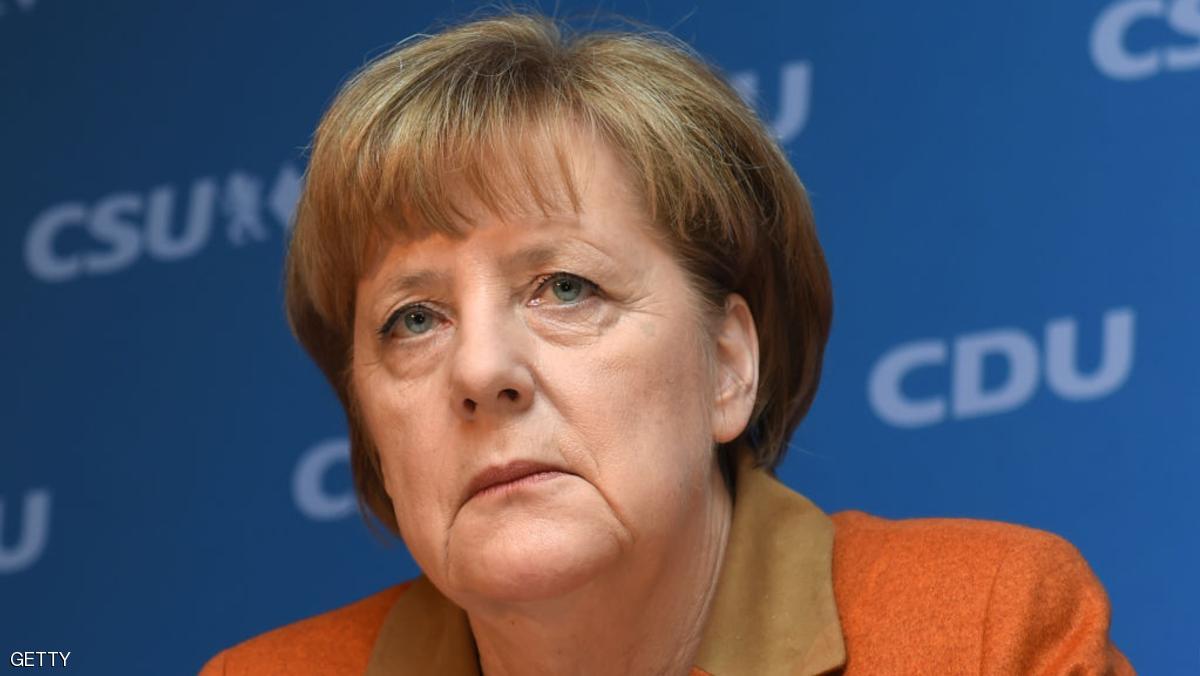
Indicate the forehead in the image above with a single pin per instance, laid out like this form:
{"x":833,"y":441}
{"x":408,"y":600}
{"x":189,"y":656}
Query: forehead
{"x":577,"y":196}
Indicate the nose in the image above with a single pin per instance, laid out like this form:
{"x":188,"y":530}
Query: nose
{"x":490,"y":374}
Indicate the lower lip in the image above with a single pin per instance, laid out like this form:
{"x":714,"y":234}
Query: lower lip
{"x":516,"y":484}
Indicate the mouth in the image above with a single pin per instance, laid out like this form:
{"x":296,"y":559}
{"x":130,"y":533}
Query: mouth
{"x":500,"y":478}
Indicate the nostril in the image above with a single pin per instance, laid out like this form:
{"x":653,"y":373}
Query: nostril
{"x":469,"y":404}
{"x":510,"y":393}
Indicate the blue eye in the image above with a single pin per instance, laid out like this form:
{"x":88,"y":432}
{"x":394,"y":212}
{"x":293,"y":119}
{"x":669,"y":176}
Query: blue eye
{"x":567,"y":288}
{"x":416,"y":319}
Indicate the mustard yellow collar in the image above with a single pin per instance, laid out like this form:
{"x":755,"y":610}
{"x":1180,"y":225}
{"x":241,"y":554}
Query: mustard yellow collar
{"x":774,"y":611}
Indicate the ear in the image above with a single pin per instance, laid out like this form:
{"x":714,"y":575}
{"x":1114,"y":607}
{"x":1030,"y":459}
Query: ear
{"x":736,"y":355}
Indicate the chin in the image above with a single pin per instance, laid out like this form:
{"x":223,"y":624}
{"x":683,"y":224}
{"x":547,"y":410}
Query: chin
{"x":517,"y":561}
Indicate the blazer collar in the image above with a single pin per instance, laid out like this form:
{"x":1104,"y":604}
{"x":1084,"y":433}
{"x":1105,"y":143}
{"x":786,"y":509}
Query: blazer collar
{"x":774,"y":610}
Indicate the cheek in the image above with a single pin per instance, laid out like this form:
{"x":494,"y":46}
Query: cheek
{"x":641,"y":418}
{"x":418,"y":472}
{"x":664,"y":380}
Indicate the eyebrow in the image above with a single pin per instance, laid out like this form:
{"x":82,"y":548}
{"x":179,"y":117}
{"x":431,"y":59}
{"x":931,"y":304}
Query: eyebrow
{"x":420,"y":279}
{"x":531,"y":257}
{"x":535,"y":255}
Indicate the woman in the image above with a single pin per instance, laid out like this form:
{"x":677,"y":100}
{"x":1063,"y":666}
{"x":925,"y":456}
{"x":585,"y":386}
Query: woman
{"x":571,"y":297}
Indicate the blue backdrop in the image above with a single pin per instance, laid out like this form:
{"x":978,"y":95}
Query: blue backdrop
{"x":1008,"y":194}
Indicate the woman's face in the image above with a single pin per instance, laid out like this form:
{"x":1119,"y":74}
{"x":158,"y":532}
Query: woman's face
{"x":542,"y":396}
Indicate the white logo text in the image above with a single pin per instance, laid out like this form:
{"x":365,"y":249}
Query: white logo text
{"x":965,"y":355}
{"x":1109,"y":44}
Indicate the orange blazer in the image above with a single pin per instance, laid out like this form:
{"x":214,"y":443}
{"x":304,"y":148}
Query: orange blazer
{"x":799,"y":592}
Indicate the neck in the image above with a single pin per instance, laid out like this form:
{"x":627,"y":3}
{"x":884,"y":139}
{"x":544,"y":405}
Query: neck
{"x":638,"y":618}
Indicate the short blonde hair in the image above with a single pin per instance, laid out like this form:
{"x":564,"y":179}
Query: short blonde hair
{"x":481,"y":103}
